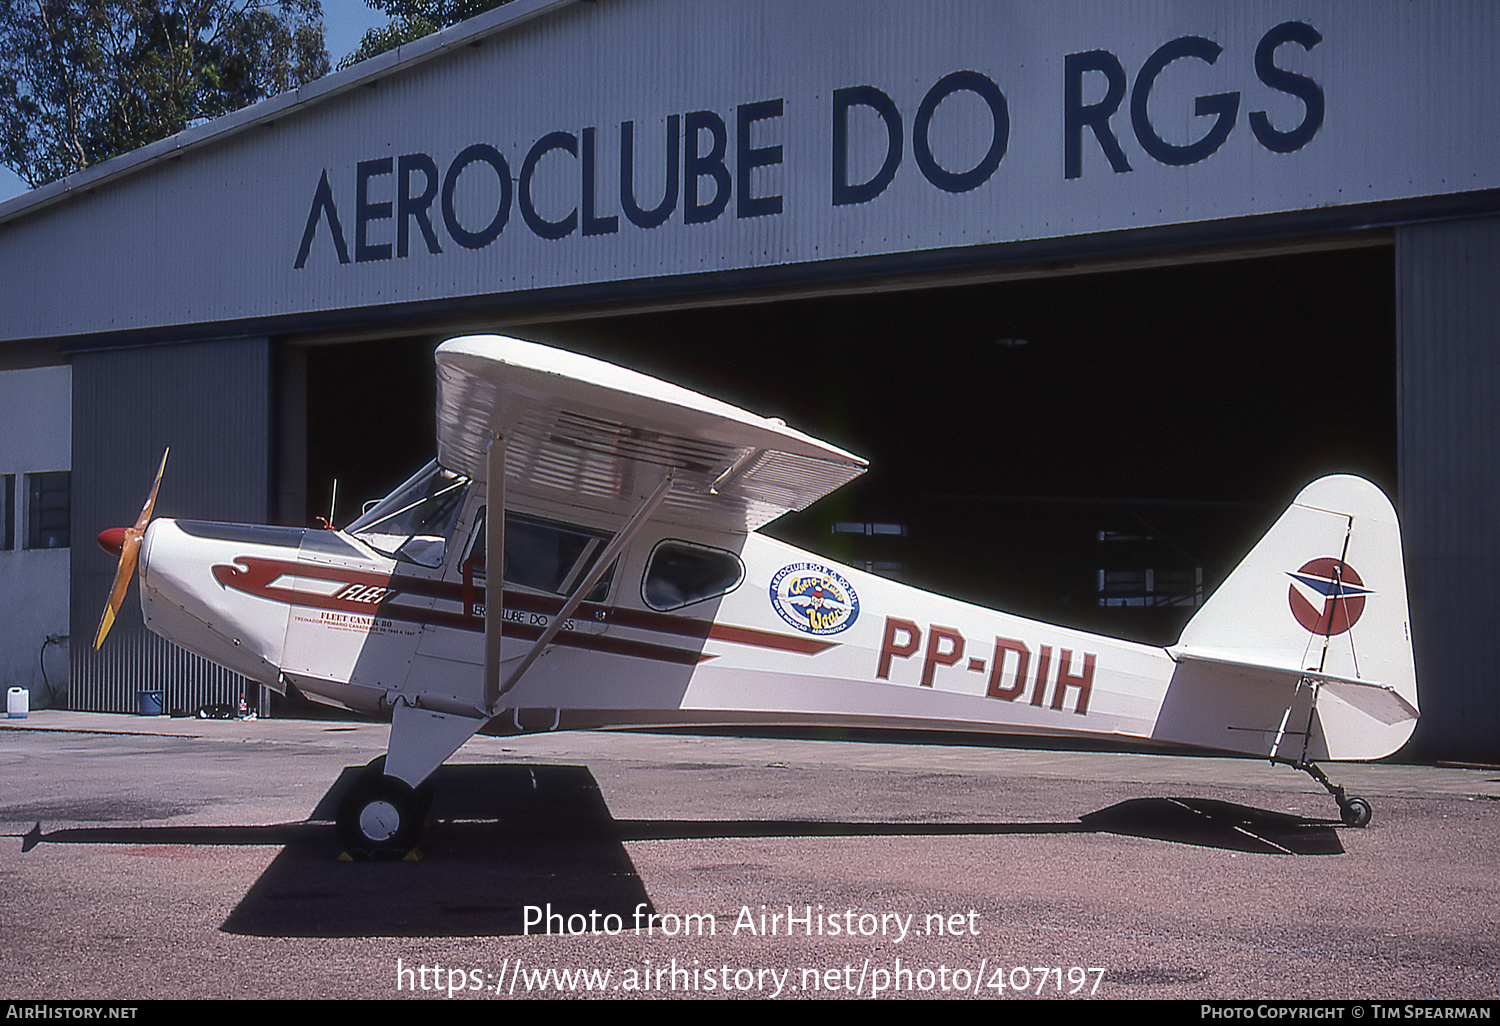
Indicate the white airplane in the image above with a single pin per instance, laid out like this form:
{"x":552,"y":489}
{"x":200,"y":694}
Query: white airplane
{"x":638,"y":592}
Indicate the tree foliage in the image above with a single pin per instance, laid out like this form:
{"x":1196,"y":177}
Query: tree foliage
{"x":413,"y":19}
{"x":84,"y":80}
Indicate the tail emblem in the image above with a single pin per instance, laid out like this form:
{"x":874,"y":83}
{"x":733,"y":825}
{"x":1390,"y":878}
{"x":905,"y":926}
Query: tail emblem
{"x":1327,"y":596}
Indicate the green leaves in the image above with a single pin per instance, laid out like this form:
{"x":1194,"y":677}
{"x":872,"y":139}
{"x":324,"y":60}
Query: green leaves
{"x":85,"y":80}
{"x":413,"y":19}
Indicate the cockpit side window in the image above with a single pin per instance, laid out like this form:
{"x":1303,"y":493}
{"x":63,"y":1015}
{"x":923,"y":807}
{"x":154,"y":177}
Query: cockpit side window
{"x":680,"y":573}
{"x":413,"y":523}
{"x":545,"y":555}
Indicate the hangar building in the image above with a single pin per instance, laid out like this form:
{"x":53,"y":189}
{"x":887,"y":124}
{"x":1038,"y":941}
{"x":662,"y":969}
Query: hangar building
{"x":1096,"y":286}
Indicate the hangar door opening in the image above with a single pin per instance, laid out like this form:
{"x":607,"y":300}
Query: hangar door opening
{"x":366,"y":423}
{"x":1097,"y":450}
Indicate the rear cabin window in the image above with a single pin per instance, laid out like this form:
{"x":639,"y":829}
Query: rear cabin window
{"x":681,"y":573}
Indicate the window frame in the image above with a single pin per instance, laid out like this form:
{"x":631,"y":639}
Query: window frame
{"x":699,"y":546}
{"x":8,"y":514}
{"x":474,"y":572}
{"x":38,"y":506}
{"x":425,"y":508}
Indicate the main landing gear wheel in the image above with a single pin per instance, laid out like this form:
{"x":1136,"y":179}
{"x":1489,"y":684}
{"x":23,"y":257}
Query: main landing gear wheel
{"x":1356,"y":812}
{"x":382,"y":815}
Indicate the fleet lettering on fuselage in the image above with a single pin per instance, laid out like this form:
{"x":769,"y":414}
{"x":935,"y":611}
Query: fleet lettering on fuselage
{"x":407,"y":205}
{"x":364,"y":593}
{"x":1011,"y":668}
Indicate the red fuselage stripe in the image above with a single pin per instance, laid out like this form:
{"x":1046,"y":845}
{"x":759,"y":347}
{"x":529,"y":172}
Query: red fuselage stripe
{"x":256,"y":575}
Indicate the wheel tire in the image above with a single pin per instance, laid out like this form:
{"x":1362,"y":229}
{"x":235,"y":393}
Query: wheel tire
{"x":1357,"y":812}
{"x":380,"y":815}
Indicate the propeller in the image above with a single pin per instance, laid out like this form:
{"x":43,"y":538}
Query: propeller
{"x":125,"y":542}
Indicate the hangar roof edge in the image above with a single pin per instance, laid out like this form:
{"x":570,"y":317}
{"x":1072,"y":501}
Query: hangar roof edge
{"x":334,"y":84}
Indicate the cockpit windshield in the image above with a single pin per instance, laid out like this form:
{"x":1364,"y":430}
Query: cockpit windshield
{"x":413,"y":522}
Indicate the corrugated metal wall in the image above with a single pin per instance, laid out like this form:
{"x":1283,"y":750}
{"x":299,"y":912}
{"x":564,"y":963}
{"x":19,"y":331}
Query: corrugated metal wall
{"x":1448,"y":314}
{"x":211,"y":402}
{"x":214,"y":234}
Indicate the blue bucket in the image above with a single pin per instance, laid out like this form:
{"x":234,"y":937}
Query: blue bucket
{"x":149,"y":703}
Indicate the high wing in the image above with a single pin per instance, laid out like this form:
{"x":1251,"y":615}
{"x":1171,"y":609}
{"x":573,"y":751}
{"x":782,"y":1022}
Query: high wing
{"x":582,"y":432}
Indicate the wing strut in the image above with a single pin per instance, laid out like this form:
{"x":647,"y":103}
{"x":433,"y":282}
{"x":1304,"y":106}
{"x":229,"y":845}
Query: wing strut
{"x":582,"y":588}
{"x":494,"y":593}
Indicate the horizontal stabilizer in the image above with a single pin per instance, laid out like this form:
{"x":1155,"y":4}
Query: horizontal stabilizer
{"x":1375,"y":700}
{"x":1383,"y":703}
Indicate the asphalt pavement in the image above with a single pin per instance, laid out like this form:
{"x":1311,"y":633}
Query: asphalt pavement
{"x":156,"y":858}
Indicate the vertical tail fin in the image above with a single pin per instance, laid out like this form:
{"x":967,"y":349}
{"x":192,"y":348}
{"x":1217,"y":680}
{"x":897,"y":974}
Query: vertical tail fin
{"x":1323,"y":597}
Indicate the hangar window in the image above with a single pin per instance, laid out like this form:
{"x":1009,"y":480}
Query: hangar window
{"x":413,"y":522}
{"x":1151,"y":587}
{"x":891,"y":569}
{"x":1147,"y":569}
{"x":8,"y":513}
{"x":680,"y":573}
{"x":47,"y":510}
{"x":544,"y":555}
{"x":869,"y":528}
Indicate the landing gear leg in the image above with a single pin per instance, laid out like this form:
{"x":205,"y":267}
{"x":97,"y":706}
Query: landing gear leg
{"x":382,"y":815}
{"x":1355,"y":811}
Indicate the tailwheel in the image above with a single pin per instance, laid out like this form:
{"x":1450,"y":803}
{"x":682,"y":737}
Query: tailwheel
{"x":1354,"y":811}
{"x":381,"y":815}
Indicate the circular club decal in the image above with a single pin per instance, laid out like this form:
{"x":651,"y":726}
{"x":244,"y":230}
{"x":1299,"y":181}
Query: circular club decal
{"x":814,"y":599}
{"x":1327,"y":596}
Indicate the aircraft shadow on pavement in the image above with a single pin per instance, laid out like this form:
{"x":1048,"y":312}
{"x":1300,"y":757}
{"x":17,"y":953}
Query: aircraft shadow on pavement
{"x":1214,"y":824}
{"x":1197,"y":821}
{"x":501,"y":837}
{"x":498,"y":838}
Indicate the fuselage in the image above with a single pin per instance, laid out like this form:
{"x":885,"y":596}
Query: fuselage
{"x":690,"y":628}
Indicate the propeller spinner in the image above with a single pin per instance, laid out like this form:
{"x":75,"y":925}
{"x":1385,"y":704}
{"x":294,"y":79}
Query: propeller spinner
{"x":126,"y":543}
